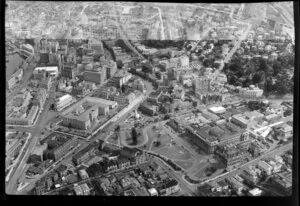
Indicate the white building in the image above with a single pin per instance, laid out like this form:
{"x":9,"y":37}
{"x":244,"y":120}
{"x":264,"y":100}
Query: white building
{"x":83,"y":174}
{"x":251,"y":92}
{"x":217,"y":109}
{"x":255,"y":192}
{"x":184,"y":61}
{"x":265,"y":167}
{"x":153,"y":192}
{"x":53,"y":70}
{"x":63,"y":102}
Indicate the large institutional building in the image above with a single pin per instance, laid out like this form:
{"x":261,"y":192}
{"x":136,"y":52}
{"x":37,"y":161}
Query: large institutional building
{"x":201,"y":85}
{"x":63,"y":102}
{"x":208,"y":137}
{"x":85,"y":112}
{"x":251,"y":92}
{"x":96,"y":76}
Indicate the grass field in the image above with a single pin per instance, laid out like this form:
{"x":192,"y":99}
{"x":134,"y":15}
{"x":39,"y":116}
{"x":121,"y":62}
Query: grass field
{"x":205,"y":172}
{"x":164,"y":140}
{"x":128,"y":138}
{"x":175,"y":152}
{"x":184,"y":164}
{"x":113,"y":139}
{"x":199,"y":167}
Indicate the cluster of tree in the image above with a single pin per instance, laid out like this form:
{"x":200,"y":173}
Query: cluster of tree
{"x":173,"y":165}
{"x":134,"y":136}
{"x":210,"y":170}
{"x":256,"y":105}
{"x":121,"y":43}
{"x":163,"y":43}
{"x":145,"y":76}
{"x":34,"y":159}
{"x":158,"y":75}
{"x":147,"y":68}
{"x":287,"y":112}
{"x":157,"y":143}
{"x":97,"y":187}
{"x":273,"y":76}
{"x":190,"y":180}
{"x":120,"y":64}
{"x":95,"y":169}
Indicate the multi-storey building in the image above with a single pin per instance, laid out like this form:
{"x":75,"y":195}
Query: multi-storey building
{"x":201,"y":85}
{"x":85,"y":153}
{"x":251,"y":92}
{"x":95,"y":76}
{"x":63,"y":102}
{"x":29,"y":120}
{"x":59,"y":145}
{"x":230,"y":155}
{"x":39,"y":74}
{"x":13,"y":79}
{"x":40,"y":97}
{"x":46,"y":83}
{"x":80,"y":90}
{"x":85,"y":112}
{"x":184,"y":61}
{"x":120,"y":79}
{"x":148,"y":109}
{"x":208,"y":137}
{"x":69,"y":71}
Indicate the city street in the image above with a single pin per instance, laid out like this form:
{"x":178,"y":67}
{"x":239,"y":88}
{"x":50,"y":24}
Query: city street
{"x":277,"y":151}
{"x":26,"y":75}
{"x":43,"y":121}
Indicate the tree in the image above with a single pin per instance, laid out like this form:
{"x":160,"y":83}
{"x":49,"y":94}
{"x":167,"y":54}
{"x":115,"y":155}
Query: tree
{"x":195,"y":104}
{"x":287,"y":113}
{"x":158,"y":75}
{"x":134,"y":135}
{"x":123,"y":88}
{"x":120,"y":64}
{"x":117,"y":128}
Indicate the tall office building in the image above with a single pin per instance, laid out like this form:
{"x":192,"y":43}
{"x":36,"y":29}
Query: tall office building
{"x":96,"y":76}
{"x":184,"y":61}
{"x":201,"y":85}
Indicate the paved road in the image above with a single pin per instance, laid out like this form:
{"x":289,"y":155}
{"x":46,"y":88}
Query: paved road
{"x":35,"y":131}
{"x":22,"y":84}
{"x":20,"y":156}
{"x":186,"y":188}
{"x":162,"y":29}
{"x":182,"y":142}
{"x":11,"y":188}
{"x":238,"y":170}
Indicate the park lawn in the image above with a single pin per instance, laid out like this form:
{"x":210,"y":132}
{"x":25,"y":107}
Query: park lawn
{"x":185,"y":164}
{"x":175,"y":152}
{"x":164,"y":139}
{"x":198,"y":168}
{"x":205,"y":172}
{"x":113,"y":139}
{"x":128,"y":138}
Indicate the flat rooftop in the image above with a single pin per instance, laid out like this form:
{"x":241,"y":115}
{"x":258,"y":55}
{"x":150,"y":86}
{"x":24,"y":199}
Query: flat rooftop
{"x":93,"y":101}
{"x":82,"y":111}
{"x":217,"y":132}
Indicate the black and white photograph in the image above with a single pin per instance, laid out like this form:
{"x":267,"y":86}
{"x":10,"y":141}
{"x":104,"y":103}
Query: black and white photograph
{"x":118,"y":98}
